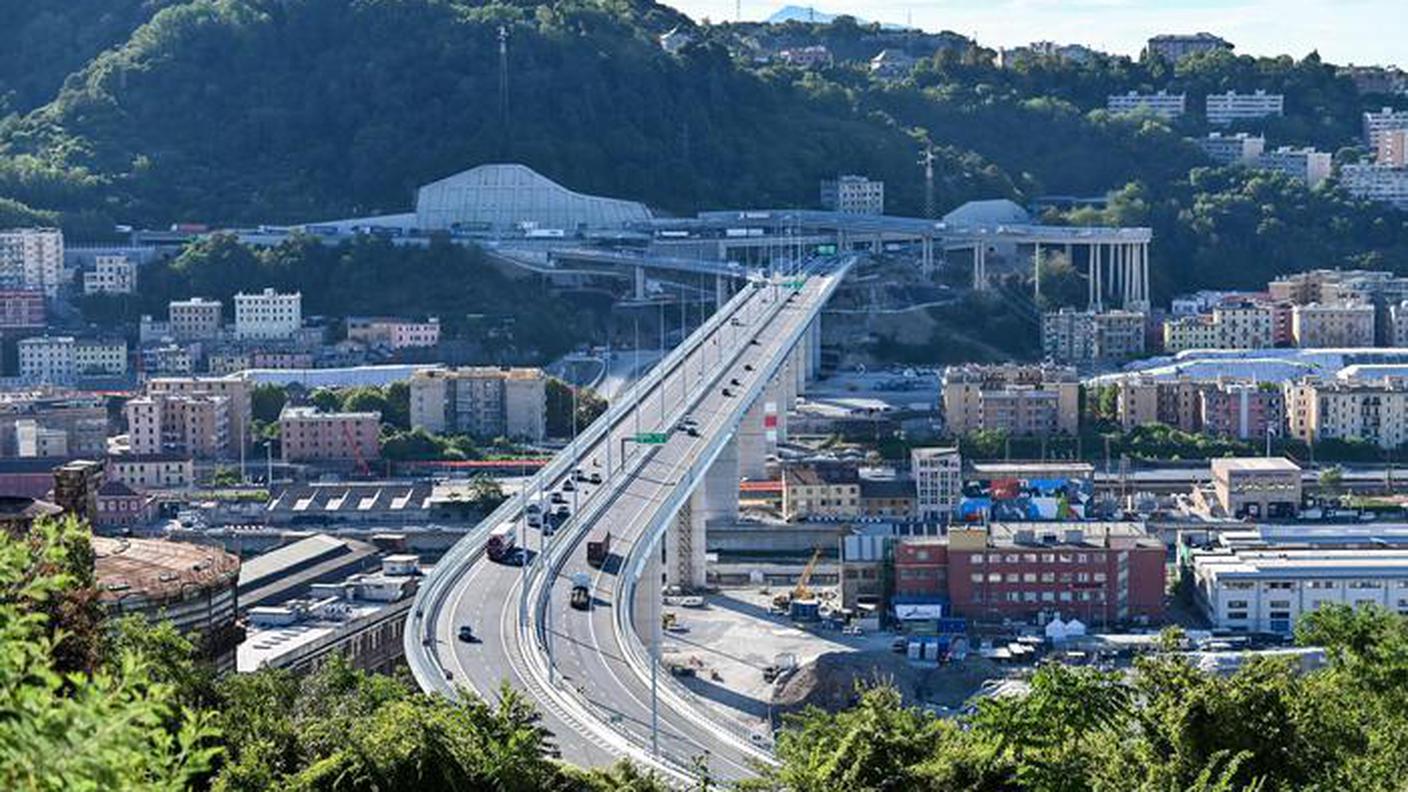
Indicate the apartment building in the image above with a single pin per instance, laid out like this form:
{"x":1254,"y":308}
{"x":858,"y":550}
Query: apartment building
{"x":1238,"y":149}
{"x":1174,"y":47}
{"x":1162,"y":104}
{"x":235,"y":389}
{"x":483,"y":401}
{"x":1327,"y":325}
{"x":1231,"y":107}
{"x":1229,"y":325}
{"x":1398,"y":325}
{"x":306,"y":435}
{"x":393,"y":333}
{"x":853,"y":195}
{"x":1377,"y":123}
{"x":32,"y":258}
{"x":111,"y":275}
{"x":187,"y":424}
{"x":1306,"y":164}
{"x":1243,"y":410}
{"x":268,"y":314}
{"x":815,"y":56}
{"x":47,"y":360}
{"x":100,"y":357}
{"x":1392,"y":150}
{"x":1069,"y":336}
{"x":1144,"y":400}
{"x":1017,"y":399}
{"x":1182,"y":333}
{"x":81,"y":419}
{"x":1376,"y":411}
{"x":151,"y":471}
{"x":1100,"y":573}
{"x":938,"y":481}
{"x":195,"y":319}
{"x":1380,"y":183}
{"x":820,"y":491}
{"x":21,"y":309}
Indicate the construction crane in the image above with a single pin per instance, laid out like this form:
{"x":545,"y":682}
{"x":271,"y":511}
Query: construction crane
{"x":800,"y":591}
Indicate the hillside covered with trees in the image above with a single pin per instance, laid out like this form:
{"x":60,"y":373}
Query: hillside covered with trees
{"x":248,"y":111}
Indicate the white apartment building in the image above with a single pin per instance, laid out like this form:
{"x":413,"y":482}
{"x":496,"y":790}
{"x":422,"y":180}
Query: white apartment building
{"x":1379,"y":183}
{"x":47,"y":360}
{"x":1377,"y":123}
{"x":1226,"y":108}
{"x":1306,"y":164}
{"x":111,"y":275}
{"x":1268,"y":590}
{"x":59,"y":360}
{"x":1162,"y":104}
{"x":938,"y":481}
{"x":1240,"y":148}
{"x":853,"y":195}
{"x":33,"y":440}
{"x":32,"y":258}
{"x":100,"y":357}
{"x":268,"y":314}
{"x":194,"y":319}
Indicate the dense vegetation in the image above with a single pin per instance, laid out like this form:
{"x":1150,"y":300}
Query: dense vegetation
{"x":1169,"y":726}
{"x":143,"y":712}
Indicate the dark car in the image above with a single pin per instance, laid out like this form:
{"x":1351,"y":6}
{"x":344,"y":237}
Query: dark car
{"x":466,"y":633}
{"x":734,"y":381}
{"x":728,"y":392}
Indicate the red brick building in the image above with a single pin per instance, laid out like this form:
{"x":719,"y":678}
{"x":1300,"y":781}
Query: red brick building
{"x":1101,"y":573}
{"x":921,"y":567}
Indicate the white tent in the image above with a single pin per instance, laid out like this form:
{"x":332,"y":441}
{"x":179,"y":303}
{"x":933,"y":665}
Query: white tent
{"x":1056,"y":630}
{"x":1075,"y":628}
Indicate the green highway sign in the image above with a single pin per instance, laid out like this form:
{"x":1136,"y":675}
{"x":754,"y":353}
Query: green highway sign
{"x":652,"y":438}
{"x":794,"y":284}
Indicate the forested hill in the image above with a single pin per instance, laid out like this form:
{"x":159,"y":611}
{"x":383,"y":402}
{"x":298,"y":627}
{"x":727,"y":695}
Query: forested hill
{"x":232,"y":110}
{"x":240,"y":111}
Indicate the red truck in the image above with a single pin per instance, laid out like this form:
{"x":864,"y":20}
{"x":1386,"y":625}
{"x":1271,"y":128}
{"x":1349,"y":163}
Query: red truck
{"x":598,"y":549}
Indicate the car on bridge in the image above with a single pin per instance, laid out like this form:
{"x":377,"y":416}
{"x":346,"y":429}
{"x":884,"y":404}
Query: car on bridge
{"x":466,"y":633}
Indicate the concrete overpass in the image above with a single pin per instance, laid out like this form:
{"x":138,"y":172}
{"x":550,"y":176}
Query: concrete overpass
{"x":594,"y":674}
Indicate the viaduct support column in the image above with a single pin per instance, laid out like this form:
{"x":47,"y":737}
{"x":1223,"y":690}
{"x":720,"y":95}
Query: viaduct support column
{"x":640,"y":283}
{"x":720,"y":291}
{"x":715,"y":499}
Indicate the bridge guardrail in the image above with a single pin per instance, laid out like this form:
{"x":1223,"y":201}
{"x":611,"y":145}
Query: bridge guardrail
{"x":422,"y":657}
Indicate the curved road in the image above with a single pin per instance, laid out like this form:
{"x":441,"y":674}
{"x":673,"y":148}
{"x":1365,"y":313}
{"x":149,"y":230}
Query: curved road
{"x":595,"y":694}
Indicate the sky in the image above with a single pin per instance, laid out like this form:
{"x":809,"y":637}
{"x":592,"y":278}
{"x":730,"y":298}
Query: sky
{"x":1343,"y":31}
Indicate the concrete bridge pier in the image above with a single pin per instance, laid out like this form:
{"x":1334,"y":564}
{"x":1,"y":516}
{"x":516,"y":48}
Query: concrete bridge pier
{"x":640,"y":283}
{"x":715,"y":500}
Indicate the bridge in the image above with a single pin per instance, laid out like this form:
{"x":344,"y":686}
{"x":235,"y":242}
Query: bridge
{"x":595,"y":673}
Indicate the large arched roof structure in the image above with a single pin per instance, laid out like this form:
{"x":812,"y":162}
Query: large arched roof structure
{"x":501,"y":197}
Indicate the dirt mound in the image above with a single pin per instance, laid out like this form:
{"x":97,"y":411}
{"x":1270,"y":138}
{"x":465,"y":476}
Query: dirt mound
{"x":830,"y":681}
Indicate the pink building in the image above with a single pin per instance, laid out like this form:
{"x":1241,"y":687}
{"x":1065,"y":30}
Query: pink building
{"x":307,"y":435}
{"x":1243,"y":410}
{"x":392,"y":332}
{"x":21,"y":309}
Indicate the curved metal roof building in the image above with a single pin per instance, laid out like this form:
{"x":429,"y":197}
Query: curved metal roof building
{"x":504,"y":196}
